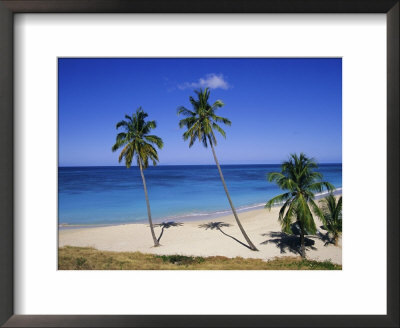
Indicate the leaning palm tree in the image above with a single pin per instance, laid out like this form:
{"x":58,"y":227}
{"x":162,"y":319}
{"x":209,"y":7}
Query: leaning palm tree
{"x":137,"y":143}
{"x":332,"y":213}
{"x":299,"y":178}
{"x":201,"y":124}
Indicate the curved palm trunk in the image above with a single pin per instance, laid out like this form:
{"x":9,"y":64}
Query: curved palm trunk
{"x":156,"y":243}
{"x":251,"y":245}
{"x":303,"y":248}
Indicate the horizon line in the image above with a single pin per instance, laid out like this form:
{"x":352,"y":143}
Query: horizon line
{"x":190,"y":164}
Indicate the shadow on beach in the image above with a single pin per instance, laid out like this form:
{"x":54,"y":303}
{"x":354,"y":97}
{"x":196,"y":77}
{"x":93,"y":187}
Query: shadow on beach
{"x":218,"y":226}
{"x":166,"y":225}
{"x":288,"y":243}
{"x":325,"y":237}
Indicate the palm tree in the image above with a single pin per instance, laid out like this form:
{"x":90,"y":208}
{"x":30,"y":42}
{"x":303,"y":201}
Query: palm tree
{"x":201,"y":124}
{"x":298,"y":177}
{"x":139,"y":144}
{"x":332,"y":213}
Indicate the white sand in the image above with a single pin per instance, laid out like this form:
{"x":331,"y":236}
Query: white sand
{"x":189,"y":239}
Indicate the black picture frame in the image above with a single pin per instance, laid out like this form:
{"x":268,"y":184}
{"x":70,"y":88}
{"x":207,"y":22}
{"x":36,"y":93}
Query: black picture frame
{"x":10,"y":7}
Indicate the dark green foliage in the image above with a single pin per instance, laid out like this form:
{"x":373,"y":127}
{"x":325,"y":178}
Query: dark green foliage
{"x":332,"y":214}
{"x":80,"y":261}
{"x":202,"y":121}
{"x":181,"y":259}
{"x":300,"y":179}
{"x":136,"y":140}
{"x":313,"y":265}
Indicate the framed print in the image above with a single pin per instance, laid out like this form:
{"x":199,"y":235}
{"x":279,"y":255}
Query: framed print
{"x":183,"y":163}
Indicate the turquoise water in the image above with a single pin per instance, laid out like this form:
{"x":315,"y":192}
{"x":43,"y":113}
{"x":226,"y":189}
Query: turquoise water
{"x":114,"y":195}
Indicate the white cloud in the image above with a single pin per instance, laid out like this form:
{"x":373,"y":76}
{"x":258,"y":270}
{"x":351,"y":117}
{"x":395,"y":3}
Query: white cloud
{"x":212,"y":81}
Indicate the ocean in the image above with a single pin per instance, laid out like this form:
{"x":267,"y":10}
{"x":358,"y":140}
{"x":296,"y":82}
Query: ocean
{"x":114,"y":194}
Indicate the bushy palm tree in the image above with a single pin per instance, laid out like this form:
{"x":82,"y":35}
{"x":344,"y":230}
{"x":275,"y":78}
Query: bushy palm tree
{"x":299,"y":178}
{"x":201,"y":123}
{"x":137,"y":143}
{"x":332,"y":213}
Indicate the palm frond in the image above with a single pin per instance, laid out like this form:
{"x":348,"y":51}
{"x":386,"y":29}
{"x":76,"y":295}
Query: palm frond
{"x":299,"y":177}
{"x":201,"y":122}
{"x":219,"y":129}
{"x":217,"y":104}
{"x":154,"y":140}
{"x":220,"y":119}
{"x":287,"y":219}
{"x":136,"y":139}
{"x":185,"y":112}
{"x":277,"y":200}
{"x":122,"y":123}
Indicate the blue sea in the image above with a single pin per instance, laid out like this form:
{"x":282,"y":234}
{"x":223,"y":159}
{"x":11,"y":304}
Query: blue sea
{"x":114,"y":194}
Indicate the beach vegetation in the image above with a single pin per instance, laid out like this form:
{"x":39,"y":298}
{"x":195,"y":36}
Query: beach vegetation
{"x":80,"y":262}
{"x":332,"y":216}
{"x":181,"y":259}
{"x":106,"y":260}
{"x":138,"y":144}
{"x":299,"y":178}
{"x":201,"y":123}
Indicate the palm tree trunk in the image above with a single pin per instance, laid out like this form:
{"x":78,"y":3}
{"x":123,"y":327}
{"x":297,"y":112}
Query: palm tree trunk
{"x":251,"y":245}
{"x":302,"y":247}
{"x":302,"y":239}
{"x":156,"y":243}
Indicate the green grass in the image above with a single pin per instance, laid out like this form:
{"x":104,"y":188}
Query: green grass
{"x":84,"y":258}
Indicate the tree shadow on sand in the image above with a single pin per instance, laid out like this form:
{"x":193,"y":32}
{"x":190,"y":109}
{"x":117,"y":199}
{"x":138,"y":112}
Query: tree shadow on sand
{"x":325,"y":237}
{"x":218,"y":226}
{"x":287,"y":242}
{"x":167,"y":225}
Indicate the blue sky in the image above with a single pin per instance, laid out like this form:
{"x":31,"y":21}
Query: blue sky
{"x":277,"y":107}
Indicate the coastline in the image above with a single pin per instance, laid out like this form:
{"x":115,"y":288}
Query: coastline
{"x":190,"y":217}
{"x":261,"y":225}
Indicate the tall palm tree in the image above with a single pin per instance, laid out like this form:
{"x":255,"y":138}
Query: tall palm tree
{"x":332,"y":212}
{"x":201,"y":124}
{"x":138,"y":144}
{"x":298,"y":177}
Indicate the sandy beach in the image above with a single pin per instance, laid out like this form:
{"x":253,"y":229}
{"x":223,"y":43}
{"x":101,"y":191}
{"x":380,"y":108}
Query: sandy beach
{"x":189,"y":239}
